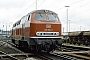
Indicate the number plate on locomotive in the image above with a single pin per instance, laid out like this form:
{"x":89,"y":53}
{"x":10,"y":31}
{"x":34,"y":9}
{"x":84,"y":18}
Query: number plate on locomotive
{"x":48,"y":26}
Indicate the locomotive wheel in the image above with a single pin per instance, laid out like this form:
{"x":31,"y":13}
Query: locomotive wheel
{"x":23,"y":44}
{"x":39,"y":48}
{"x":32,"y":48}
{"x":74,"y":43}
{"x":79,"y":44}
{"x":47,"y":48}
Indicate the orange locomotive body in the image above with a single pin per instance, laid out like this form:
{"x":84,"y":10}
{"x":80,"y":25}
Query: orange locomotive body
{"x":38,"y":30}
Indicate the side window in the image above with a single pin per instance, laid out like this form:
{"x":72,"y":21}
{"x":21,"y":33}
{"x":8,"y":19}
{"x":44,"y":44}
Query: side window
{"x":18,"y":23}
{"x":15,"y":25}
{"x":28,"y":17}
{"x":22,"y":20}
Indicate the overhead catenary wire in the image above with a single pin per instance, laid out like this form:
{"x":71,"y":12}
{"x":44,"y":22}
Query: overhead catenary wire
{"x":21,"y":5}
{"x":31,"y":6}
{"x":79,"y":6}
{"x":41,"y":3}
{"x":19,"y":8}
{"x":76,"y":3}
{"x":83,"y":12}
{"x":25,"y":9}
{"x":70,"y":5}
{"x":28,"y":7}
{"x":52,"y":3}
{"x":59,"y":8}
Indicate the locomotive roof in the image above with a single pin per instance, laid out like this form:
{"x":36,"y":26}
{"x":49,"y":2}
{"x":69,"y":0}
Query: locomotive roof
{"x":39,"y":11}
{"x":42,"y":11}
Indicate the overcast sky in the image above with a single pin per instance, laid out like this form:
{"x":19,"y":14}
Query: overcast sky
{"x":78,"y":12}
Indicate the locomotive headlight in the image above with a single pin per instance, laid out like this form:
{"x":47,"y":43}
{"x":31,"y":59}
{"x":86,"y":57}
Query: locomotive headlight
{"x":38,"y":34}
{"x":57,"y":33}
{"x":47,"y":33}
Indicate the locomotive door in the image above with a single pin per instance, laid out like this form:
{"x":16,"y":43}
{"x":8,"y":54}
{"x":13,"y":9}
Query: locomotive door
{"x":27,"y":29}
{"x":23,"y":30}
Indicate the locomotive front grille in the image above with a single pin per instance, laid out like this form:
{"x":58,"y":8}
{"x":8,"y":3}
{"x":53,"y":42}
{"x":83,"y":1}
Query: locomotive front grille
{"x":47,"y":33}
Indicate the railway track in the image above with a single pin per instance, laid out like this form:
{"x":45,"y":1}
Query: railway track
{"x":57,"y":56}
{"x":7,"y":55}
{"x":74,"y":54}
{"x":16,"y":56}
{"x":45,"y":56}
{"x":10,"y":46}
{"x":78,"y":52}
{"x":67,"y":53}
{"x":9,"y":52}
{"x":1,"y":43}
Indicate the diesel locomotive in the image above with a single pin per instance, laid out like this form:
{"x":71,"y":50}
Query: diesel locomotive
{"x":38,"y":30}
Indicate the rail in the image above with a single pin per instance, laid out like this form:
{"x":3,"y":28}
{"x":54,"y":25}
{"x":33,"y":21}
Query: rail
{"x":9,"y":55}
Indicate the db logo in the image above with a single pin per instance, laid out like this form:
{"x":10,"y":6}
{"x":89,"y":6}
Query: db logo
{"x":48,"y":26}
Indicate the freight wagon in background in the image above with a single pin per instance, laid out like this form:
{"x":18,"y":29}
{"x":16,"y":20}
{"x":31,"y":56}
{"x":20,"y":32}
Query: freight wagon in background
{"x":79,"y":37}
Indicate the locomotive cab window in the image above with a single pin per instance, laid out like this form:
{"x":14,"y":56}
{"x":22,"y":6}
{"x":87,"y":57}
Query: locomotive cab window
{"x":52,"y":16}
{"x":40,"y":16}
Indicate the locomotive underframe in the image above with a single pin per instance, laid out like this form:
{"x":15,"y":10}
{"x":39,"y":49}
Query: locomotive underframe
{"x":39,"y":43}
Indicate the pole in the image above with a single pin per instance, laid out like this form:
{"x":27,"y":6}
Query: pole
{"x":36,"y":4}
{"x":63,"y":29}
{"x":67,"y":18}
{"x":80,"y":28}
{"x":6,"y":30}
{"x":69,"y":25}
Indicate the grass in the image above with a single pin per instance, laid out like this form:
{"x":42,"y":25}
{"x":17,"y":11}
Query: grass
{"x":2,"y":49}
{"x":68,"y":44}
